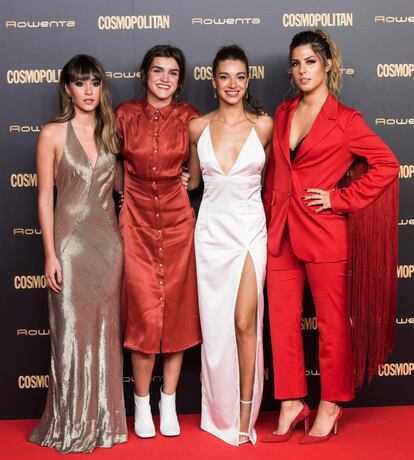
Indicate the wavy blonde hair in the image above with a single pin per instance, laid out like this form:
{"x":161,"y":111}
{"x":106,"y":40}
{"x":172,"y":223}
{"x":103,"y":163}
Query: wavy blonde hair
{"x":83,"y":67}
{"x":325,"y":47}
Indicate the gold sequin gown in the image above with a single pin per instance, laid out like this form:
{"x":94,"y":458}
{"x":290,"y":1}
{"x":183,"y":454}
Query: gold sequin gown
{"x":85,"y":404}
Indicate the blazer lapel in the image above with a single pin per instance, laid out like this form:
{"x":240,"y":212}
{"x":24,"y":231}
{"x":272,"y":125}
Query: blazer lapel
{"x":283,"y":126}
{"x":322,"y":126}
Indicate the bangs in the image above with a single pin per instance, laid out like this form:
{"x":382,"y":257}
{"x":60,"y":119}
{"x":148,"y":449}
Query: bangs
{"x":83,"y":69}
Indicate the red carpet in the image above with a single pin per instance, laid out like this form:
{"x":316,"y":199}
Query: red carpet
{"x":368,"y":433}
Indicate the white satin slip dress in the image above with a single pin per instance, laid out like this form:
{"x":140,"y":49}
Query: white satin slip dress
{"x":231,"y":223}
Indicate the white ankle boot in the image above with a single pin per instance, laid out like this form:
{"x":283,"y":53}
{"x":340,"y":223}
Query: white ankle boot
{"x":144,"y":425}
{"x":169,"y":425}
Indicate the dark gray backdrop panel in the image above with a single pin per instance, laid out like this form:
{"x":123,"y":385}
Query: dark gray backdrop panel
{"x":380,"y":34}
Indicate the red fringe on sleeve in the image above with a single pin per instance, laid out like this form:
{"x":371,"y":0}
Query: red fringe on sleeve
{"x":372,"y":277}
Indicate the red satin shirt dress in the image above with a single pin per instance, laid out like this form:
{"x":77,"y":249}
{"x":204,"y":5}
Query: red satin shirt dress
{"x":159,"y":294}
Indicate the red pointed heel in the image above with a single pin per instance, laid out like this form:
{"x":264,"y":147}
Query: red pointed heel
{"x":303,"y":416}
{"x":312,"y":439}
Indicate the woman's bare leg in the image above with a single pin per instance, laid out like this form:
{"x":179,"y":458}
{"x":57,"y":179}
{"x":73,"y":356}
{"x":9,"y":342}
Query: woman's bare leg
{"x":245,"y":325}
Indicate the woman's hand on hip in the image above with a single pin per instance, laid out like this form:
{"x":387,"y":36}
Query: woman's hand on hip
{"x":321,"y":198}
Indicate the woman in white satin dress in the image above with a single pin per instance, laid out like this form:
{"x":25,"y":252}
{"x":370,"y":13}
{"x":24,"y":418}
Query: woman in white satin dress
{"x":228,"y":146}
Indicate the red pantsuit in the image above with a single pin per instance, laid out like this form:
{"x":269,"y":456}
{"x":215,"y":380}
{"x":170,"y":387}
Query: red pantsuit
{"x":304,"y":245}
{"x":286,"y":278}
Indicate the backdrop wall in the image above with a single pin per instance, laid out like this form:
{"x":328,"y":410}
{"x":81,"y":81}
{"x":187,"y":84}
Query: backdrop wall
{"x":38,"y":37}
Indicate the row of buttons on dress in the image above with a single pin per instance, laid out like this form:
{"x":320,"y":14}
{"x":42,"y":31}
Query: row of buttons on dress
{"x":159,"y":256}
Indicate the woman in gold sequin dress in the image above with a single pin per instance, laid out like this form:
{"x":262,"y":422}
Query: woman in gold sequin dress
{"x":83,"y":265}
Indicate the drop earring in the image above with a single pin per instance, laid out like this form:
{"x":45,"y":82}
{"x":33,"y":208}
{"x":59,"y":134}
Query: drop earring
{"x":214,"y":93}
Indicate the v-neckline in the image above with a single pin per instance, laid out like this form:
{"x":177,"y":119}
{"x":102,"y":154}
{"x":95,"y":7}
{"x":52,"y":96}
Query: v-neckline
{"x":238,"y":155}
{"x":83,"y":150}
{"x":310,"y":129}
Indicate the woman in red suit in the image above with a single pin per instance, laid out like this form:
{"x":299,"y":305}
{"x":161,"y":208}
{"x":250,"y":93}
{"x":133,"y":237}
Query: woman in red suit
{"x":315,"y":141}
{"x":159,"y":293}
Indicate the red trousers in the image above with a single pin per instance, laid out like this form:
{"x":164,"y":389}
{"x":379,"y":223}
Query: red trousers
{"x":286,"y":279}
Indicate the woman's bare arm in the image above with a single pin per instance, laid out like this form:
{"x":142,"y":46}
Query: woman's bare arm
{"x":45,"y":162}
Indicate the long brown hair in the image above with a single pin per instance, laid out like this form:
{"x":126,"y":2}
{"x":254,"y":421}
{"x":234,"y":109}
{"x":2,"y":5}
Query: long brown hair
{"x":83,"y":67}
{"x":235,"y":53}
{"x":324,"y":47}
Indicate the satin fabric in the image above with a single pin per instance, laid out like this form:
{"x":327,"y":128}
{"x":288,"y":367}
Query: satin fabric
{"x":231,"y":224}
{"x":159,"y":294}
{"x":85,"y":403}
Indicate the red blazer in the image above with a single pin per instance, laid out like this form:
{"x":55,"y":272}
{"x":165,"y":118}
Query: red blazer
{"x":338,"y":134}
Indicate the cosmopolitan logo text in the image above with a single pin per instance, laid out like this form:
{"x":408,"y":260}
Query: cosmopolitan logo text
{"x":318,"y":19}
{"x":29,"y":282}
{"x":256,"y":72}
{"x":406,"y":172}
{"x":23,"y":180}
{"x":225,"y":21}
{"x":134,"y":22}
{"x":405,"y":70}
{"x":51,"y":24}
{"x":405,"y":271}
{"x":32,"y":76}
{"x":309,"y":324}
{"x":396,"y":369}
{"x":27,"y":382}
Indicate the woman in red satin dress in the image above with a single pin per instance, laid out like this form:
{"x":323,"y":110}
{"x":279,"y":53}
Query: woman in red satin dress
{"x":159,"y":294}
{"x":315,"y":141}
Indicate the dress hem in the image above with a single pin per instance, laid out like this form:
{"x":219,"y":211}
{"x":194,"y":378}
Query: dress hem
{"x":159,"y":352}
{"x":219,"y":434}
{"x":122,"y":439}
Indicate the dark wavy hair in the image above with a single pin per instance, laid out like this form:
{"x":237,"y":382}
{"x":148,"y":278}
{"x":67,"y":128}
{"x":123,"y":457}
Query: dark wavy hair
{"x":235,"y":53}
{"x":167,"y":51}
